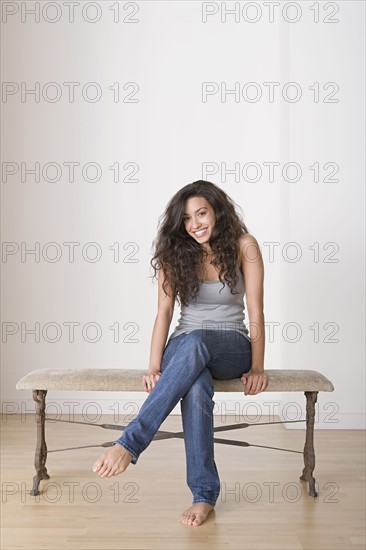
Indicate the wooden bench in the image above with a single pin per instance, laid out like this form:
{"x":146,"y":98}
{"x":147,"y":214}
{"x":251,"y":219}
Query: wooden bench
{"x":40,"y":381}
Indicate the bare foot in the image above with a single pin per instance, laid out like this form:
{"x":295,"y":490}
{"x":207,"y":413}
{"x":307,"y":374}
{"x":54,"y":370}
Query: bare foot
{"x":112,"y":462}
{"x":196,"y":514}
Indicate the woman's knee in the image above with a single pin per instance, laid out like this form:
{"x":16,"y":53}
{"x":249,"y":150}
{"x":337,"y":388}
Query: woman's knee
{"x":194,"y":341}
{"x":195,"y":337}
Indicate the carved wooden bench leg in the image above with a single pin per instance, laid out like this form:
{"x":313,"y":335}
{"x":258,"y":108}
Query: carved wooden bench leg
{"x":40,"y":458}
{"x":309,"y":454}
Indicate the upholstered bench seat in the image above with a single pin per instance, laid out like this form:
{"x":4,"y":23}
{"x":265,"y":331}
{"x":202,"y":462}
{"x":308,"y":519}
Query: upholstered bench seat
{"x":130,"y":380}
{"x":40,"y":381}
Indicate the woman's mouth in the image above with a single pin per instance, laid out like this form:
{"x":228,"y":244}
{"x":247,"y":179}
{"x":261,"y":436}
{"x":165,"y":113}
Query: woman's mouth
{"x":200,"y":233}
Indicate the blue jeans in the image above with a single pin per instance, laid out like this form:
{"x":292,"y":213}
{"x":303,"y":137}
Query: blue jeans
{"x":189,"y":364}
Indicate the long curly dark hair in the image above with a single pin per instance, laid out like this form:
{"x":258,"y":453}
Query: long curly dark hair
{"x":180,"y":255}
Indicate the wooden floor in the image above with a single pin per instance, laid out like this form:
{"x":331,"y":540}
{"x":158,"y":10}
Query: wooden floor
{"x":262,"y":505}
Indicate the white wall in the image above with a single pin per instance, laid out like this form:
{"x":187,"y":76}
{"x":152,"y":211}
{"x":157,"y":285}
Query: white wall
{"x":171,"y":134}
{"x":327,"y":292}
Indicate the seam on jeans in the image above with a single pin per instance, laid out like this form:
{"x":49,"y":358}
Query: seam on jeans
{"x":173,"y":354}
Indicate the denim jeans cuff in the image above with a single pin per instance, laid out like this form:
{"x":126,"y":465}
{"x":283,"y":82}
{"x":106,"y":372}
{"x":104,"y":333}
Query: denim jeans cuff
{"x":203,"y":501}
{"x":127,"y":448}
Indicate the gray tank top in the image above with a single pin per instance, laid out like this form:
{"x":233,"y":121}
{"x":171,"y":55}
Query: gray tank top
{"x":214,"y":308}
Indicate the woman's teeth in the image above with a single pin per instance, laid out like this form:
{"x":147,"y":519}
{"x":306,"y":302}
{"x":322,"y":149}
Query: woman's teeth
{"x":200,"y":233}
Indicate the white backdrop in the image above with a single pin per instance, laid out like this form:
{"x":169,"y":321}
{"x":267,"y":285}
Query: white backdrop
{"x":166,"y":93}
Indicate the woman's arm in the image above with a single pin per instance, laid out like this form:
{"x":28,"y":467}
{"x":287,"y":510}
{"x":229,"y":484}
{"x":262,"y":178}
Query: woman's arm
{"x":161,"y":325}
{"x":158,"y":341}
{"x":253,"y":270}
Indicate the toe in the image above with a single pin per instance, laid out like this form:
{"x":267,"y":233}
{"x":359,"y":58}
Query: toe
{"x":103,"y":470}
{"x":188,"y":522}
{"x":97,"y":465}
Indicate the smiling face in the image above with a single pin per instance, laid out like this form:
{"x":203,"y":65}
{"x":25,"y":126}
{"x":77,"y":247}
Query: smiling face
{"x":199,"y":220}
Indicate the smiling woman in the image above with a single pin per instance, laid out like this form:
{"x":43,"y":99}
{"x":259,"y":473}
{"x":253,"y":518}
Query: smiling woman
{"x":202,"y":240}
{"x":200,"y":227}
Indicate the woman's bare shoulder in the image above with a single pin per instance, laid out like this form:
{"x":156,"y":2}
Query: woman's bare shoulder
{"x":245,"y":245}
{"x":246,"y":238}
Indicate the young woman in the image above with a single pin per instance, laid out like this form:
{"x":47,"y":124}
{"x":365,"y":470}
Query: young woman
{"x":207,"y":260}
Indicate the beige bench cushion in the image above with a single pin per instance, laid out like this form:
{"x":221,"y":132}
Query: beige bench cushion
{"x":131,"y":380}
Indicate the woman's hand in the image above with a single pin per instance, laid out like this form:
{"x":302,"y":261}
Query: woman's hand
{"x":254,"y":382}
{"x":150,"y":379}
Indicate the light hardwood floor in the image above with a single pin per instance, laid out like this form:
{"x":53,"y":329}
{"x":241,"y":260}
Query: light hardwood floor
{"x":262,"y":505}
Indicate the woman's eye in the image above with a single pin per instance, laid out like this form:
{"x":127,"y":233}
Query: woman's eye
{"x":200,"y":214}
